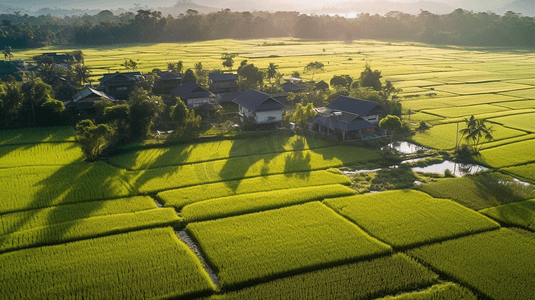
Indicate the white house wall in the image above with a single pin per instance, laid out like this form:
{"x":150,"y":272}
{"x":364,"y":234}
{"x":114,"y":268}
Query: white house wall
{"x":268,"y":116}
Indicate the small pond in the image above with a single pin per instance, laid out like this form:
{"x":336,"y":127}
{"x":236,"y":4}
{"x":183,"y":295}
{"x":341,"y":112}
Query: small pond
{"x":405,"y":147}
{"x":458,"y":169}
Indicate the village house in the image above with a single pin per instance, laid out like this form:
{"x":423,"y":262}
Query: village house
{"x":348,"y":119}
{"x":259,"y":107}
{"x":195,"y":96}
{"x":166,"y":82}
{"x":223,"y":83}
{"x":83,"y":101}
{"x":10,"y":68}
{"x":119,"y":85}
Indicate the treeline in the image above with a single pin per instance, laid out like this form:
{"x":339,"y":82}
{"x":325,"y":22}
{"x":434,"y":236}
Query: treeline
{"x":460,"y":27}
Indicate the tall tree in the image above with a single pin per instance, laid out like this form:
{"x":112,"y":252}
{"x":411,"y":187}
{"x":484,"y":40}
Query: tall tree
{"x":475,"y":133}
{"x":314,"y":67}
{"x":369,"y":78}
{"x":93,"y":138}
{"x":8,"y":55}
{"x":271,"y":71}
{"x":228,"y":60}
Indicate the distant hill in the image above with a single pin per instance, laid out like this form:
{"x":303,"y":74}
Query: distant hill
{"x":383,"y":7}
{"x":182,"y":6}
{"x":526,"y":7}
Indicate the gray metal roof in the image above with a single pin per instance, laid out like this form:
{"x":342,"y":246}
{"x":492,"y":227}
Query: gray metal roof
{"x":191,"y":90}
{"x":222,"y":77}
{"x":129,"y":75}
{"x":355,"y":106}
{"x":258,"y":101}
{"x":90,"y":92}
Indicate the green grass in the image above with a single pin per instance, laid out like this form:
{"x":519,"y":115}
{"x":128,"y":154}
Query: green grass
{"x":443,"y":291}
{"x":200,"y":152}
{"x":508,"y":141}
{"x":524,"y":94}
{"x":409,"y":218}
{"x":361,"y":280}
{"x":40,"y":187}
{"x":146,"y":264}
{"x":509,"y":155}
{"x":480,"y":191}
{"x":37,"y":135}
{"x":42,"y":154}
{"x":518,"y":104}
{"x":88,"y":228}
{"x":255,"y":202}
{"x":155,"y":180}
{"x":526,"y":171}
{"x":521,"y":122}
{"x":181,"y":197}
{"x":494,"y":263}
{"x":521,"y":214}
{"x":28,"y":219}
{"x":262,"y":246}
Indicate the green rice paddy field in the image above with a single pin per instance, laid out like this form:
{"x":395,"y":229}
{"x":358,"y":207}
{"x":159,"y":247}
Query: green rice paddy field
{"x":272,"y":217}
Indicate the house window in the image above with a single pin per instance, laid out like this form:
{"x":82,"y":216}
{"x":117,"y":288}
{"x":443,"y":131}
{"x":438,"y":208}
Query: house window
{"x":121,"y":88}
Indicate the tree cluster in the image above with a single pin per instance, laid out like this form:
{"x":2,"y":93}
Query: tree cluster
{"x":460,"y":27}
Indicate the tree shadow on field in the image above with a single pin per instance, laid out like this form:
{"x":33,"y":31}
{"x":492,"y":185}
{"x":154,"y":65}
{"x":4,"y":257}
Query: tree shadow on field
{"x":246,"y":153}
{"x":497,"y":189}
{"x":69,"y":184}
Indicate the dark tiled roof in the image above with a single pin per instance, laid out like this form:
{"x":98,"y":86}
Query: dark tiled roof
{"x":222,"y":77}
{"x":129,"y":75}
{"x":258,"y":101}
{"x":191,"y":90}
{"x":346,"y":122}
{"x":355,"y":106}
{"x":228,"y":97}
{"x":289,"y":86}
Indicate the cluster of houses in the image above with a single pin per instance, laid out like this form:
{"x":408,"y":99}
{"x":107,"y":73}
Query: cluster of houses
{"x":346,"y":118}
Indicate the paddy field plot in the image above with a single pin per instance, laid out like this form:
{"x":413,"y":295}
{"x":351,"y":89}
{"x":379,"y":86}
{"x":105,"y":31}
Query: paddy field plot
{"x":509,"y":155}
{"x":40,"y":187}
{"x":522,"y":94}
{"x":37,"y":135}
{"x":521,"y":122}
{"x":444,"y":136}
{"x":407,"y":218}
{"x":178,"y":198}
{"x":159,"y":179}
{"x":521,"y":214}
{"x":443,"y":291}
{"x":521,"y":104}
{"x":88,"y":228}
{"x":148,"y":264}
{"x":475,"y":260}
{"x":480,"y":88}
{"x":261,"y":246}
{"x":207,"y":151}
{"x":452,"y":112}
{"x":481,"y":190}
{"x":42,"y":154}
{"x":526,"y":171}
{"x":361,"y":280}
{"x":29,"y":219}
{"x":254,"y":202}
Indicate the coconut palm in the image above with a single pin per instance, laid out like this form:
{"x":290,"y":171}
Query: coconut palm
{"x":271,"y":71}
{"x":475,"y":133}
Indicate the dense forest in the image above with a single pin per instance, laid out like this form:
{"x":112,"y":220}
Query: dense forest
{"x":460,"y":27}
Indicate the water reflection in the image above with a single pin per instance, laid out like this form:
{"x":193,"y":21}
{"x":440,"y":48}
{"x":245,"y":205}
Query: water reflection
{"x":458,"y":169}
{"x":405,"y":147}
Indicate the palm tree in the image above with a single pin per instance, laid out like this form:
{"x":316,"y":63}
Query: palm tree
{"x":476,"y":132}
{"x":271,"y":71}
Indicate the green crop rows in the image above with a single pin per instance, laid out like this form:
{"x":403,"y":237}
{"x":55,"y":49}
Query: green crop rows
{"x":248,"y":203}
{"x":142,"y":264}
{"x":445,"y":291}
{"x":408,"y":218}
{"x":260,"y":246}
{"x":510,"y":154}
{"x":194,"y":153}
{"x":495,"y":263}
{"x":88,"y":228}
{"x":521,"y":214}
{"x":361,"y":280}
{"x":37,"y":135}
{"x":43,"y":154}
{"x":180,"y":197}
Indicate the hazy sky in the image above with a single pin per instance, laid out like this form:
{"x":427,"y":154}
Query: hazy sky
{"x":108,"y":4}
